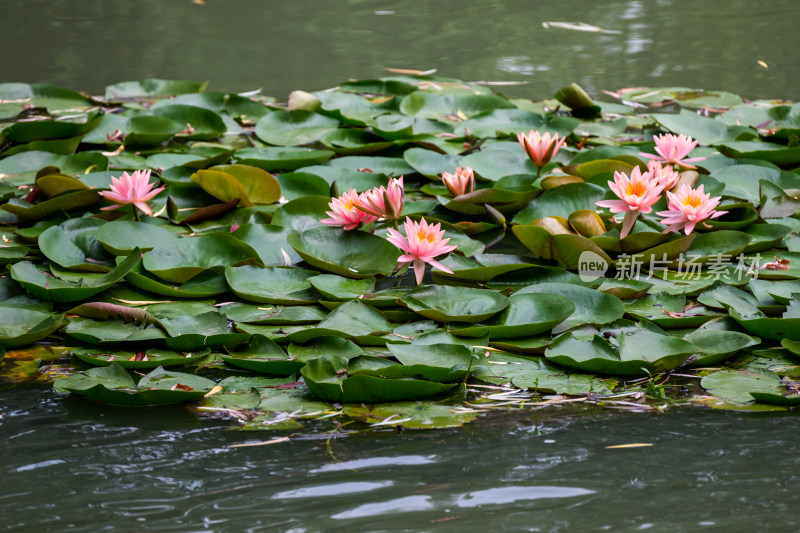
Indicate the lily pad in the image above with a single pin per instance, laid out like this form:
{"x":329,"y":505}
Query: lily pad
{"x":526,"y":315}
{"x":283,"y":158}
{"x":277,"y":285}
{"x":120,"y":237}
{"x":293,"y":128}
{"x":624,"y":353}
{"x":591,"y":306}
{"x":352,"y":254}
{"x":151,"y":358}
{"x":181,"y":261}
{"x":20,"y":326}
{"x":263,"y":355}
{"x":326,"y":381}
{"x":717,"y":346}
{"x":49,"y":288}
{"x":737,"y":385}
{"x":114,"y":386}
{"x":454,"y":304}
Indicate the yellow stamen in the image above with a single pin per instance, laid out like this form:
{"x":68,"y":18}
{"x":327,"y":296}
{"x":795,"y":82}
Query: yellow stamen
{"x":636,"y":188}
{"x":693,"y":200}
{"x":423,"y":235}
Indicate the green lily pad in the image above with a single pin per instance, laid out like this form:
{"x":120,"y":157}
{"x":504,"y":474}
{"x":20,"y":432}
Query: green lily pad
{"x":591,"y":306}
{"x":705,"y":130}
{"x":473,"y":203}
{"x":114,"y":386}
{"x":181,"y":261}
{"x":283,"y":158}
{"x":352,"y":254}
{"x":429,"y":163}
{"x":509,"y":122}
{"x":351,"y":320}
{"x":20,"y":326}
{"x":277,"y":285}
{"x":526,"y":315}
{"x":72,"y":244}
{"x":65,"y":202}
{"x":263,"y":355}
{"x":203,"y":285}
{"x":273,"y":314}
{"x":774,"y":153}
{"x":111,"y":331}
{"x":432,"y":105}
{"x":454,"y":304}
{"x":412,"y":415}
{"x":151,"y":358}
{"x":566,"y":248}
{"x":199,"y":123}
{"x":354,"y":142}
{"x":765,"y":236}
{"x":325,"y":381}
{"x":561,"y":202}
{"x":737,"y":385}
{"x":469,"y":269}
{"x":335,"y":287}
{"x":670,"y":311}
{"x":717,"y":346}
{"x":251,"y":185}
{"x":51,"y":97}
{"x":146,"y":130}
{"x":389,"y":166}
{"x":269,"y":242}
{"x":48,"y":288}
{"x":632,"y":353}
{"x":442,"y":363}
{"x":533,"y":373}
{"x":120,"y":237}
{"x":499,"y":161}
{"x":293,"y":128}
{"x":151,"y":87}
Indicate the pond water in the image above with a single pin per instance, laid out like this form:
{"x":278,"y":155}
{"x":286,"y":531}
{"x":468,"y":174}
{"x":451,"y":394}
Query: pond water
{"x":315,"y":44}
{"x":69,"y":465}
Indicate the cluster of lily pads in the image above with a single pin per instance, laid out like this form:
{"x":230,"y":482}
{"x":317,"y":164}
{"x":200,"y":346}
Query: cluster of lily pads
{"x":257,"y":247}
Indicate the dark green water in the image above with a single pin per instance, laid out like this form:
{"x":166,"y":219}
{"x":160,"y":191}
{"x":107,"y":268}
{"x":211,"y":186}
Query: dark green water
{"x":69,"y":465}
{"x":240,"y":45}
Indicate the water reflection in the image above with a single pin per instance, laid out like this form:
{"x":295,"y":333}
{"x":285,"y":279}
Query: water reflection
{"x":314,"y":44}
{"x":66,"y":467}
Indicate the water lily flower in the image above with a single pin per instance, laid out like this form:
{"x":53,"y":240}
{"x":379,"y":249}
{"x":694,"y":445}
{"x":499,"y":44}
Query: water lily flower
{"x":345,"y":213}
{"x":636,"y":193}
{"x":462,"y":182}
{"x":131,"y":189}
{"x":688,"y":208}
{"x":540,"y":148}
{"x":384,"y":202}
{"x":421,"y":244}
{"x":664,"y":174}
{"x":673,"y":149}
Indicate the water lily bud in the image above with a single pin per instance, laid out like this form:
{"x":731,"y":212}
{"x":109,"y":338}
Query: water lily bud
{"x":303,"y":100}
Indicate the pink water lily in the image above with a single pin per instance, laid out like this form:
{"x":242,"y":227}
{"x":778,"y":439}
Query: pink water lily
{"x":636,"y":193}
{"x":540,"y":148}
{"x":688,"y":208}
{"x":131,"y":189}
{"x":462,"y":182}
{"x":421,"y":244}
{"x":384,"y":202}
{"x":345,"y":213}
{"x":664,"y":174}
{"x":673,"y":149}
